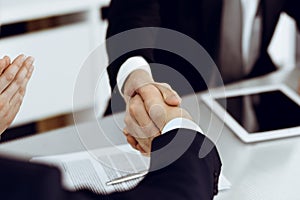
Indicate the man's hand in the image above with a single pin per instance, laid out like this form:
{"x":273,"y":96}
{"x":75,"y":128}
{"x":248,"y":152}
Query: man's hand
{"x":160,"y":112}
{"x":148,"y":120}
{"x":139,"y":126}
{"x":13,"y":81}
{"x":140,"y":78}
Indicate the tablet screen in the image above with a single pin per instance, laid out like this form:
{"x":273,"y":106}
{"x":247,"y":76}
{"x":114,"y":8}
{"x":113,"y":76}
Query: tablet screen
{"x":265,"y":111}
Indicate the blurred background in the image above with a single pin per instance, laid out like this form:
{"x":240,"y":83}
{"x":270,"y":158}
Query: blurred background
{"x":60,"y":34}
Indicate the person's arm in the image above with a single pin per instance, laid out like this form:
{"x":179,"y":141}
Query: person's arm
{"x":143,"y":110}
{"x":131,"y":72}
{"x":179,"y":167}
{"x":188,"y":177}
{"x":177,"y":171}
{"x":13,"y":81}
{"x":127,"y":15}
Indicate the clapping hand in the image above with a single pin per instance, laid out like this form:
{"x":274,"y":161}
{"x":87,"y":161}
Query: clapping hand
{"x":13,"y":81}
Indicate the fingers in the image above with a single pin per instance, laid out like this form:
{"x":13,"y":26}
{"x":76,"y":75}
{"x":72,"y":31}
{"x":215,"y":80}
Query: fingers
{"x":137,"y":120}
{"x":170,"y":96}
{"x":12,"y":95}
{"x":21,"y":91}
{"x":141,"y":122}
{"x":10,"y":72}
{"x":133,"y":142}
{"x":140,"y":130}
{"x":20,"y":81}
{"x":150,"y":95}
{"x":130,"y":139}
{"x":138,"y":78}
{"x":154,"y":104}
{"x":4,"y":63}
{"x":10,"y":110}
{"x":137,"y":111}
{"x":146,"y":114}
{"x":15,"y":105}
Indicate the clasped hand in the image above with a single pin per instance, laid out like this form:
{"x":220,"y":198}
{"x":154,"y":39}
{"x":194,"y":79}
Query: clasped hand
{"x":150,"y":106}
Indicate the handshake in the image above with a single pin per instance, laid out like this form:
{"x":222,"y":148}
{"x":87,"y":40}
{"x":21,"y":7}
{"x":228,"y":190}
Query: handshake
{"x":149,"y":107}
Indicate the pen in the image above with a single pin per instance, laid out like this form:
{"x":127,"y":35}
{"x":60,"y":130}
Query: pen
{"x":127,"y":178}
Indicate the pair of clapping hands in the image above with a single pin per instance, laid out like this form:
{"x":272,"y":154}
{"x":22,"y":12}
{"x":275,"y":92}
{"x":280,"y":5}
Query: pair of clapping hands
{"x":149,"y":107}
{"x":14,"y":77}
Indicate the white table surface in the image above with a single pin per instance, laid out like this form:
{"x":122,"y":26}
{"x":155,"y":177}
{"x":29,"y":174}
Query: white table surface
{"x":257,"y":171}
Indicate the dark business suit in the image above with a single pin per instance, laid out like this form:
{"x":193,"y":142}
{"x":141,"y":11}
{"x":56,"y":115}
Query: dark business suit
{"x":199,"y":19}
{"x":188,"y":177}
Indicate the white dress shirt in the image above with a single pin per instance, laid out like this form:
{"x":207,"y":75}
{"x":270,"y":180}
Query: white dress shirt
{"x":138,"y":62}
{"x":181,"y":123}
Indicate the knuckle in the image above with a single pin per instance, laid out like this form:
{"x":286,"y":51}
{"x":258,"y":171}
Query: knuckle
{"x":127,"y":120}
{"x":4,"y":99}
{"x":20,"y":99}
{"x":145,"y":89}
{"x":132,"y":144}
{"x":27,"y":62}
{"x":150,"y":103}
{"x":19,"y":81}
{"x":133,"y":109}
{"x":2,"y":104}
{"x":5,"y":116}
{"x":135,"y":100}
{"x":22,"y":91}
{"x":8,"y":120}
{"x":145,"y":124}
{"x":9,"y":76}
{"x":166,"y":85}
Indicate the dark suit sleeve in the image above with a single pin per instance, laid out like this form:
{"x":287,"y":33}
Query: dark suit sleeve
{"x":127,"y":15}
{"x":187,"y":177}
{"x":292,"y":8}
{"x":29,"y":181}
{"x":21,"y":180}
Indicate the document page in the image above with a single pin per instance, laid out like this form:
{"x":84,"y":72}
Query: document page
{"x":93,"y":169}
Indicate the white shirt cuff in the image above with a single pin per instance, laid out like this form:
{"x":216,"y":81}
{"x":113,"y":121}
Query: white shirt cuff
{"x":131,"y":64}
{"x":181,"y":123}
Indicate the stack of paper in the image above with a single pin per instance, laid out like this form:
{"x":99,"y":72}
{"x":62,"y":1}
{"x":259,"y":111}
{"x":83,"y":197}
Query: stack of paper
{"x":93,"y":169}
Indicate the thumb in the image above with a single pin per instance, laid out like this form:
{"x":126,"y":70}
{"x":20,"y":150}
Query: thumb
{"x":170,"y":96}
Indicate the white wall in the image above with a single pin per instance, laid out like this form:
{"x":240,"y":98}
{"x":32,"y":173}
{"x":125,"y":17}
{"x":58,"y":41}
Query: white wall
{"x":59,"y":53}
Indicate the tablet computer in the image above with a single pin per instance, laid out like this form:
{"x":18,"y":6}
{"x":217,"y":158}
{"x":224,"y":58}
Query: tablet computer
{"x":258,"y":113}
